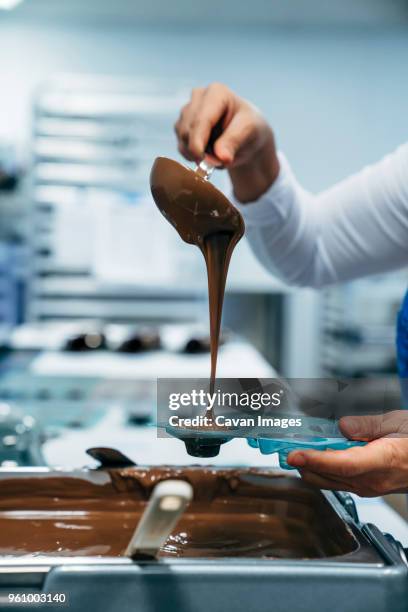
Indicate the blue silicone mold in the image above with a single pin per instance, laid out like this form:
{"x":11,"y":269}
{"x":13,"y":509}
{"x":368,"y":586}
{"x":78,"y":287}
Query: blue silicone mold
{"x":284,"y":446}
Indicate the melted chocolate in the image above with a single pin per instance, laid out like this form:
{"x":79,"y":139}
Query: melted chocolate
{"x":203,"y":216}
{"x":234,"y":513}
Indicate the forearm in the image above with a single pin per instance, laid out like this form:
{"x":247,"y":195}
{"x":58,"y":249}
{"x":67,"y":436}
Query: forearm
{"x":356,"y":228}
{"x":283,"y":231}
{"x":251,"y":180}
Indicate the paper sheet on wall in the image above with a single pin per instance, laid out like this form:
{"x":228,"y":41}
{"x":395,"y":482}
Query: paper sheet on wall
{"x":131,"y":243}
{"x":73,"y":233}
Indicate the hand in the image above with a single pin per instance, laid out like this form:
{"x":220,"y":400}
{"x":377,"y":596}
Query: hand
{"x":246,"y":147}
{"x":378,"y":468}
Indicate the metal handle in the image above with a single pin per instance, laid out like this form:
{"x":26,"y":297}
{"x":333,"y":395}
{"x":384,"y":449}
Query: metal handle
{"x":204,"y":169}
{"x":348,"y":504}
{"x":166,"y":504}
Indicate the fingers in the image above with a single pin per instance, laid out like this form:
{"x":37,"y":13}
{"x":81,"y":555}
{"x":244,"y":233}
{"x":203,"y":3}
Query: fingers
{"x":183,"y":124}
{"x":246,"y":141}
{"x":199,"y":116}
{"x":324,"y":482}
{"x":371,"y":427}
{"x":237,"y":135}
{"x":213,"y":106}
{"x":366,"y":486}
{"x":361,"y":427}
{"x":342,"y":464}
{"x":379,"y":468}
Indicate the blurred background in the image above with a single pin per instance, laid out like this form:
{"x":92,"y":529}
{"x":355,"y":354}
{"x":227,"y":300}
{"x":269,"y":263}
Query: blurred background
{"x":94,"y":286}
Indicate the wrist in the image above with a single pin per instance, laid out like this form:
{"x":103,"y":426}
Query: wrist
{"x":251,"y":180}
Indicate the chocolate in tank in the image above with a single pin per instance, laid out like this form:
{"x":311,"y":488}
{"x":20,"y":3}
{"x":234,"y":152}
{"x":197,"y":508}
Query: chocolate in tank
{"x":234,"y":513}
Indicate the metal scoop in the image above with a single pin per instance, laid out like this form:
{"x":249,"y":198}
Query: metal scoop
{"x":204,"y":217}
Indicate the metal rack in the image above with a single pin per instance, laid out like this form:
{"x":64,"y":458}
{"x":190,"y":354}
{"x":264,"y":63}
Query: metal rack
{"x":94,"y":139}
{"x":359,"y":325}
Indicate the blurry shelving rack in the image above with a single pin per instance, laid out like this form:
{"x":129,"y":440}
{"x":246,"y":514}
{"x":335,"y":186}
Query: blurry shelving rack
{"x":94,"y":136}
{"x":359,"y":326}
{"x":98,"y":136}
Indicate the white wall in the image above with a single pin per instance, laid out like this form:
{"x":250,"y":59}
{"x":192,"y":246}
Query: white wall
{"x":337,"y":98}
{"x":221,"y":12}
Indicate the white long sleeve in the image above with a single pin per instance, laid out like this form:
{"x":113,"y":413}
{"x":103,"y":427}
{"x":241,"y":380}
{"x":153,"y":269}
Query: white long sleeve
{"x":356,"y":228}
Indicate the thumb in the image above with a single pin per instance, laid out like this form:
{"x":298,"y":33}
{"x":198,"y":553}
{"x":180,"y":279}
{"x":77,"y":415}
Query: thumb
{"x":233,"y":138}
{"x":371,"y":427}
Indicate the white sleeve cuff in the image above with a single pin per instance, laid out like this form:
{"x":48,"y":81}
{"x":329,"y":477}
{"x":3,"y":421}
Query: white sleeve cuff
{"x":274,"y":205}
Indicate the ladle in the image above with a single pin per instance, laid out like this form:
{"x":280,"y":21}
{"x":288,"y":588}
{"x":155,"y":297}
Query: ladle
{"x":203,"y":216}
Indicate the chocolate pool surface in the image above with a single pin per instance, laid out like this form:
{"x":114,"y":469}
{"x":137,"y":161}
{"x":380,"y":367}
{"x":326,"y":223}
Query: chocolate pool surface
{"x":235,"y":513}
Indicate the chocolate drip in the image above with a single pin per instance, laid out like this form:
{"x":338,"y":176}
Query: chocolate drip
{"x":203,"y":216}
{"x":217,"y":250}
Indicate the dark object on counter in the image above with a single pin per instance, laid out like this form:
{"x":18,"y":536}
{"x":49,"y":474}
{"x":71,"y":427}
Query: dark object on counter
{"x":110,"y":457}
{"x":140,"y":341}
{"x":201,"y":344}
{"x":90,"y":341}
{"x":139,"y":419}
{"x":8,"y":181}
{"x":197,"y":345}
{"x":249,"y":536}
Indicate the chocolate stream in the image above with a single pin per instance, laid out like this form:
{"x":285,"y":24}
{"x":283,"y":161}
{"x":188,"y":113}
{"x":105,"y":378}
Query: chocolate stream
{"x":203,"y":216}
